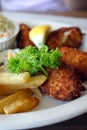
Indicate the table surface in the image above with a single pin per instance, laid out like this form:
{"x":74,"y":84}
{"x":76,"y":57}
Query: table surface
{"x":81,"y":14}
{"x":80,"y":122}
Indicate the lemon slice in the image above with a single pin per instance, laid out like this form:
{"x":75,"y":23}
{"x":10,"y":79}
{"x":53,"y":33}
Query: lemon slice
{"x":38,"y":34}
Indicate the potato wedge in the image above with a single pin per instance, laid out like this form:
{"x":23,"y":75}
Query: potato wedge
{"x":10,"y":55}
{"x":10,"y":78}
{"x":37,"y":92}
{"x":26,"y":93}
{"x":34,"y":82}
{"x":21,"y":105}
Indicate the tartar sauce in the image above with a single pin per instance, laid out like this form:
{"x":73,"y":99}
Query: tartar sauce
{"x":6,"y":28}
{"x":4,"y":58}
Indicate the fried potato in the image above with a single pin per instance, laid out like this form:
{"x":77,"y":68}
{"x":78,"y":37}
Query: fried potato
{"x":12,"y":53}
{"x":10,"y":78}
{"x":37,"y":92}
{"x":21,"y":105}
{"x":26,"y":93}
{"x":34,"y":82}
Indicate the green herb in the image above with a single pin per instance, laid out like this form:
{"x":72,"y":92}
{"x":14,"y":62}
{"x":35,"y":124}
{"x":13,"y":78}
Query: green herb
{"x":33,"y":60}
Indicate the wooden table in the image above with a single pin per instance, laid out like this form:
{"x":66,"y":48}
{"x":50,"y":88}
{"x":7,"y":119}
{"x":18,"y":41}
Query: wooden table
{"x":80,"y":122}
{"x":82,"y":14}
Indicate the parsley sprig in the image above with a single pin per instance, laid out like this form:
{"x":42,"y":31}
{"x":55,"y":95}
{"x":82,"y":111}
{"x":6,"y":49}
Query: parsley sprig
{"x":32,"y":60}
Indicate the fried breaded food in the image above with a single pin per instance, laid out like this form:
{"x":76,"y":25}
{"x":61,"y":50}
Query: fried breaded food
{"x":63,"y":84}
{"x":23,"y":38}
{"x":70,"y":37}
{"x":76,"y":59}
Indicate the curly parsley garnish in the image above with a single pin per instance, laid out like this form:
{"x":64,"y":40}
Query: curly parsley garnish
{"x":32,"y":60}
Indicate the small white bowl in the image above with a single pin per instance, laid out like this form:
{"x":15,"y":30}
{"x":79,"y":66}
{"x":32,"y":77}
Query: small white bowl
{"x":10,"y":41}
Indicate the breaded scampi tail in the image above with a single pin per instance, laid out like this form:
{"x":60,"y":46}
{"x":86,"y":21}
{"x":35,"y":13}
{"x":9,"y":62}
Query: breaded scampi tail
{"x":23,"y":38}
{"x":62,"y":84}
{"x":67,"y":36}
{"x":76,"y":59}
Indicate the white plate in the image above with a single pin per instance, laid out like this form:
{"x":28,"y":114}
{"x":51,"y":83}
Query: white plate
{"x":49,"y":111}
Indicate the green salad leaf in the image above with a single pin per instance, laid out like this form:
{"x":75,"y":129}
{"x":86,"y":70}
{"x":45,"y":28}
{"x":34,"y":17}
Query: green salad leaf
{"x":32,"y":60}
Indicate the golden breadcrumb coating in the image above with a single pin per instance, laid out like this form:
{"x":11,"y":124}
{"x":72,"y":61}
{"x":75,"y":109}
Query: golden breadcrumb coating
{"x":70,"y":37}
{"x":23,"y":36}
{"x":63,"y":84}
{"x":76,"y":59}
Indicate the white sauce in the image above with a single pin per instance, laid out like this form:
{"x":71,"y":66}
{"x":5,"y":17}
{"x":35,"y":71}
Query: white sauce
{"x":4,"y":58}
{"x":6,"y":28}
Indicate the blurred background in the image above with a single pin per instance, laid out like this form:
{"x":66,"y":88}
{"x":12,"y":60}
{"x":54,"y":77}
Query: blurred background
{"x":43,"y":5}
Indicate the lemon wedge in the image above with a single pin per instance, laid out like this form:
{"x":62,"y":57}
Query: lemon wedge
{"x":38,"y":34}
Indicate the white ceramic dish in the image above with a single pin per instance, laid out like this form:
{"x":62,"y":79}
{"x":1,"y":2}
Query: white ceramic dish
{"x":10,"y":37}
{"x":49,"y":111}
